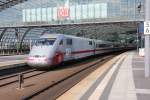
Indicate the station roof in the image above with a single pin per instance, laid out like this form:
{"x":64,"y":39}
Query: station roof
{"x":119,"y":19}
{"x":9,"y":3}
{"x":45,"y":12}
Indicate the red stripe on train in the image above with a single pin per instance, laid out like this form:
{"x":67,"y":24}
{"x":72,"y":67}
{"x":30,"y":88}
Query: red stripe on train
{"x":87,"y":51}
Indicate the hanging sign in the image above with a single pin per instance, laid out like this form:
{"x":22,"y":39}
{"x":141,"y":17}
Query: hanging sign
{"x":63,"y":12}
{"x":147,"y":28}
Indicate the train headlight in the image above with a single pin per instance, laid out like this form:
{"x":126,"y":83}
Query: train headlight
{"x":43,"y":58}
{"x":30,"y":58}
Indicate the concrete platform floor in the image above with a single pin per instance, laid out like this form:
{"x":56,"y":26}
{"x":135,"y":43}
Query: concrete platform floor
{"x":142,"y":84}
{"x":12,"y":61}
{"x":122,"y":79}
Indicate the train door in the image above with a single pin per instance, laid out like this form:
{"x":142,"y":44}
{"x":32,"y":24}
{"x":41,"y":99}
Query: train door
{"x":62,"y":46}
{"x":68,"y":48}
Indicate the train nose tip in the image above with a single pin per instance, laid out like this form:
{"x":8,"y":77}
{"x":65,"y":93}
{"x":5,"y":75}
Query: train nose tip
{"x":40,"y":61}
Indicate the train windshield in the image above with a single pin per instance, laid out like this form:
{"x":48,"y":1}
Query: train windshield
{"x":46,"y":41}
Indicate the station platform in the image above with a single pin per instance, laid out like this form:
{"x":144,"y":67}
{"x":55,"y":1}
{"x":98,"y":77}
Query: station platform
{"x":12,"y":61}
{"x":121,"y":78}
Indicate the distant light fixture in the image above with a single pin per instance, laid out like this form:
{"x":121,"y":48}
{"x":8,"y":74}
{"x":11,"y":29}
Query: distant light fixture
{"x":139,"y":7}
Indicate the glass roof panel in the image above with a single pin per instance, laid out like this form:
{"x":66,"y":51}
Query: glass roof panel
{"x":38,"y":12}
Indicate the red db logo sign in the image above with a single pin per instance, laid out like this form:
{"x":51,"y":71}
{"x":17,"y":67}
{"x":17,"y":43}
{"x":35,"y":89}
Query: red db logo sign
{"x":63,"y":12}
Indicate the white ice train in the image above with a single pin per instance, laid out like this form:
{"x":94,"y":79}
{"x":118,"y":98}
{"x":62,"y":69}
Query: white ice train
{"x":52,"y":49}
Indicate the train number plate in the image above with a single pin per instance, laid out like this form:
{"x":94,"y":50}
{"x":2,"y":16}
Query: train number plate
{"x":147,"y":27}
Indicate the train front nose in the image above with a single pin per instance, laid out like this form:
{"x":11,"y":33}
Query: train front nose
{"x":39,"y":61}
{"x":40,"y":56}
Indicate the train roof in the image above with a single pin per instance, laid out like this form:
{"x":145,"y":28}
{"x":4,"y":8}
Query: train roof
{"x":55,"y":35}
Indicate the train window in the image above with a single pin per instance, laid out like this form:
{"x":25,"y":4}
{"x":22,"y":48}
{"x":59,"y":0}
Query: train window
{"x":69,"y":41}
{"x":61,"y":42}
{"x":49,"y":41}
{"x":90,"y":42}
{"x":103,"y":45}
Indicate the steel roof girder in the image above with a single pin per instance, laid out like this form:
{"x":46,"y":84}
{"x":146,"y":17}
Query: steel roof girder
{"x":24,"y":35}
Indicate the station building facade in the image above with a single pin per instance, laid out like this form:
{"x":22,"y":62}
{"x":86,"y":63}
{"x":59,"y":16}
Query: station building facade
{"x":61,"y":12}
{"x":54,"y":12}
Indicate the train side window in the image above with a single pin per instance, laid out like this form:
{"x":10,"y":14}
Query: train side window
{"x":90,"y":42}
{"x":61,"y":42}
{"x":69,"y":41}
{"x":102,"y":45}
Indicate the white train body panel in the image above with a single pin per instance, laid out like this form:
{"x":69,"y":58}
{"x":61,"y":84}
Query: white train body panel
{"x":102,"y":47}
{"x":56,"y":48}
{"x":81,"y":48}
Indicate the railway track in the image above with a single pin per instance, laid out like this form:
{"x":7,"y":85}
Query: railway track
{"x":52,"y":91}
{"x":29,"y":73}
{"x":52,"y":83}
{"x":7,"y":80}
{"x":11,"y":70}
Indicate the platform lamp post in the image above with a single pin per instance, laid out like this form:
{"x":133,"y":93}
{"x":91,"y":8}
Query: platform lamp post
{"x":147,"y":38}
{"x":30,"y":43}
{"x":137,"y":36}
{"x":139,"y":24}
{"x":139,"y":10}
